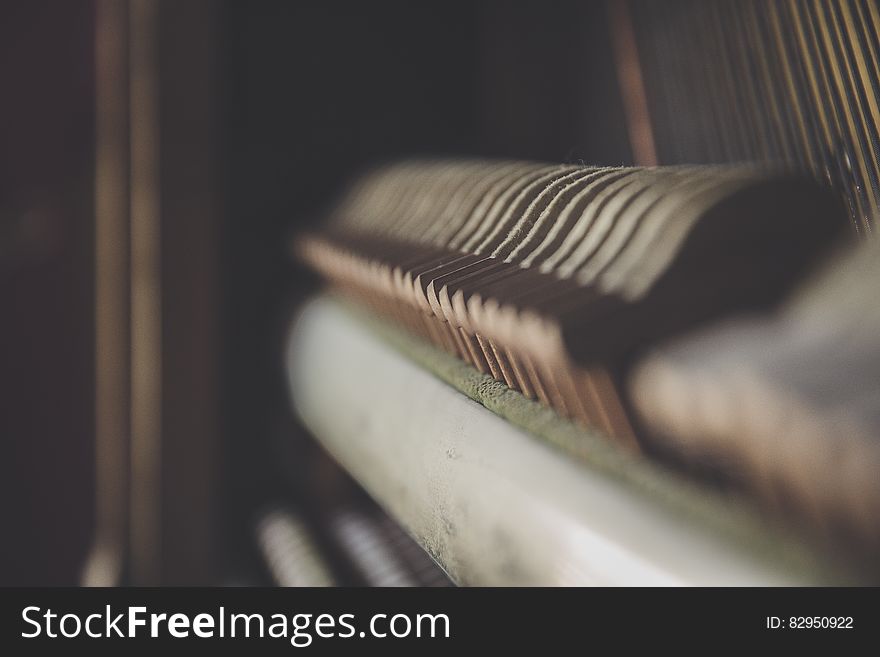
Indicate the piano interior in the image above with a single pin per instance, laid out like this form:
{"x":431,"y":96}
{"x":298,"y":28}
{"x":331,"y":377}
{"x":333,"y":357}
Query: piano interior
{"x":442,"y":294}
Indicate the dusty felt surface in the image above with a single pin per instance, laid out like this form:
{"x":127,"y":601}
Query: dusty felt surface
{"x":735,"y":519}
